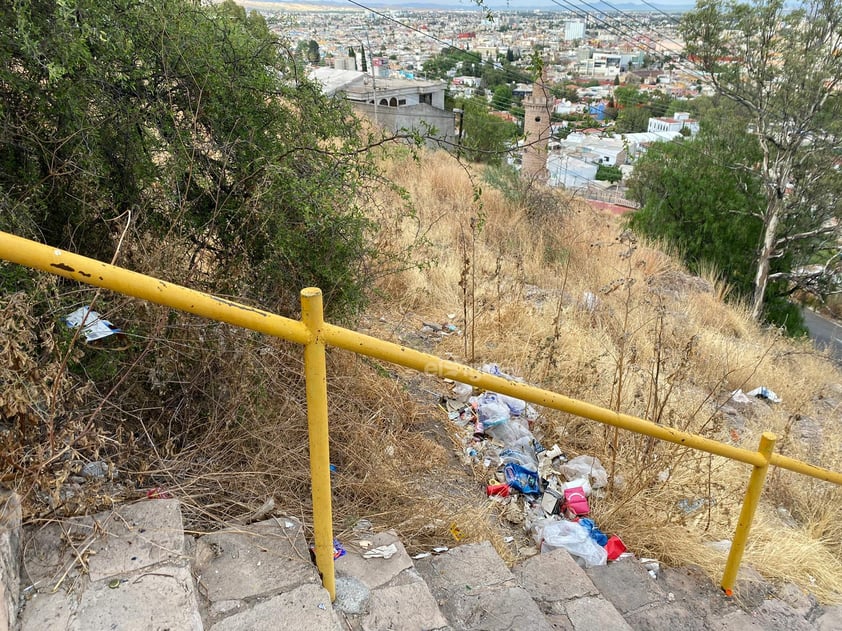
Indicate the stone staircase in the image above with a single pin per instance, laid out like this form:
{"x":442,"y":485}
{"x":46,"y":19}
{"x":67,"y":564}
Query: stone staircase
{"x":133,"y":569}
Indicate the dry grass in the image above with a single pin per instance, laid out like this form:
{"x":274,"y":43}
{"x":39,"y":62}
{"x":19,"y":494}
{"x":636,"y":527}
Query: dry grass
{"x":559,"y":295}
{"x":659,"y":343}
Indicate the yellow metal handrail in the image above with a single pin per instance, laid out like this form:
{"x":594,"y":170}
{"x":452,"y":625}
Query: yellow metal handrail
{"x":315,"y":334}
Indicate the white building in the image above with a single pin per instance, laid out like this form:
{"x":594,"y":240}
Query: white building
{"x":574,"y":30}
{"x":570,"y":172}
{"x":679,"y":121}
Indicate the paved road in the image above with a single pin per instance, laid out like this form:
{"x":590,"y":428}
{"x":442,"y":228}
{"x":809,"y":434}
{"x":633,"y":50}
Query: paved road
{"x":825,"y":333}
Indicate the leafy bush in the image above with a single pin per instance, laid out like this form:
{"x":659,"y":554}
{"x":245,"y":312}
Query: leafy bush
{"x":193,"y":125}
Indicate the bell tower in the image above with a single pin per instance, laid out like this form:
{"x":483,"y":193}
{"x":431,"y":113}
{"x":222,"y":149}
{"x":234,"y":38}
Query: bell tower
{"x":536,"y":126}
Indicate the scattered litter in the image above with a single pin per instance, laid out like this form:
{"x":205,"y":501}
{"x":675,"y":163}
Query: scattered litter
{"x":574,"y":538}
{"x":521,"y":479}
{"x":586,"y":466}
{"x":364,"y":544}
{"x":552,"y":502}
{"x":95,"y":327}
{"x":575,"y":502}
{"x":158,"y":493}
{"x":362,"y":524}
{"x":501,"y":490}
{"x":461,"y":391}
{"x":688,"y":506}
{"x":764,"y":393}
{"x":786,"y":517}
{"x":595,"y":533}
{"x":670,"y":597}
{"x":381,"y":552}
{"x":738,"y":396}
{"x":652,"y":566}
{"x":581,"y":483}
{"x":589,"y":301}
{"x":615,"y":548}
{"x":422,"y":555}
{"x":531,"y":485}
{"x":322,"y":606}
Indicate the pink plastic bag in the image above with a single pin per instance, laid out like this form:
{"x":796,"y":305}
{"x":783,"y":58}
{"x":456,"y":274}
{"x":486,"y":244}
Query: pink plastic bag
{"x":575,"y":502}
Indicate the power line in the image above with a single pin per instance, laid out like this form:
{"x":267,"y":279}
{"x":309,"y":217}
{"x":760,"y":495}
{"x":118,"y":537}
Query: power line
{"x":516,"y":76}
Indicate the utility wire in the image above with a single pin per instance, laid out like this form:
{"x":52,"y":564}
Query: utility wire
{"x":615,"y":29}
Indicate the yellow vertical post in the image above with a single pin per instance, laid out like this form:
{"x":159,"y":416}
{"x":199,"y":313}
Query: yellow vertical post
{"x":315,"y":373}
{"x":752,"y":498}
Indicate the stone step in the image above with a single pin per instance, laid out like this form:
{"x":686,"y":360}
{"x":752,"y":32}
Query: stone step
{"x":475,"y":590}
{"x":123,"y":569}
{"x":566,"y":595}
{"x":260,"y":578}
{"x":685,"y":598}
{"x":381,"y":594}
{"x":132,"y":569}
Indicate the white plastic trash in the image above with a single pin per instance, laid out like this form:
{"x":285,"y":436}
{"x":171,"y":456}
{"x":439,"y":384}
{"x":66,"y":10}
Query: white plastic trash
{"x":574,"y":538}
{"x":95,"y":327}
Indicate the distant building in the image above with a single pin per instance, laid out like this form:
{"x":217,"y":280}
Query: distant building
{"x":391,"y":103}
{"x":679,"y":121}
{"x":574,"y":30}
{"x":345,"y":63}
{"x":570,"y":172}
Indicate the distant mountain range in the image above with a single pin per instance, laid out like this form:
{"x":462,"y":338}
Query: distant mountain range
{"x":496,"y":5}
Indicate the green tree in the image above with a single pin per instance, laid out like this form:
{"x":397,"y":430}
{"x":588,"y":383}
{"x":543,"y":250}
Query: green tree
{"x":363,"y":59}
{"x":191,"y":124}
{"x":632,"y":119}
{"x":691,"y":195}
{"x":502,"y":99}
{"x":313,"y":54}
{"x":608,"y":173}
{"x":782,"y":65}
{"x":486,"y":138}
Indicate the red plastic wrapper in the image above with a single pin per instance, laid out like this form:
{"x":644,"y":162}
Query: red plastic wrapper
{"x":497,"y":489}
{"x":158,"y":493}
{"x":614,"y":547}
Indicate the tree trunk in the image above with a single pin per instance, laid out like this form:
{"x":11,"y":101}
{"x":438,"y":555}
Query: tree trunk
{"x":770,"y":235}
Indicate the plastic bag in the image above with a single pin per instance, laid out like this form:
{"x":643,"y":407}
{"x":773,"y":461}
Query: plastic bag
{"x":596,"y":534}
{"x":516,"y":406}
{"x":520,"y":457}
{"x":490,"y":409}
{"x":512,"y":433}
{"x":586,"y":466}
{"x":521,"y":479}
{"x":574,"y":538}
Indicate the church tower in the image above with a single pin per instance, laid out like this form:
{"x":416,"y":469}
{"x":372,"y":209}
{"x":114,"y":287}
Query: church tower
{"x":536,"y":126}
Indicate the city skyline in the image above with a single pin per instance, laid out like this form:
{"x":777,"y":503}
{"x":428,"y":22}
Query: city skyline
{"x":585,"y":6}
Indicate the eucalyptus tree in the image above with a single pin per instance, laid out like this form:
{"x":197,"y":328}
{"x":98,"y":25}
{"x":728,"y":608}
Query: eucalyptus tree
{"x":783,"y":66}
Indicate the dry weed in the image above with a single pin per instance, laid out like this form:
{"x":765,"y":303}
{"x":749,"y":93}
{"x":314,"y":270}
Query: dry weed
{"x":622,"y":324}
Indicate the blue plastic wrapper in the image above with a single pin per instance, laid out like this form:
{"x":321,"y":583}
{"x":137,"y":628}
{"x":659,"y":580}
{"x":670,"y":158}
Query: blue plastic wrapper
{"x":521,"y":479}
{"x":596,"y":534}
